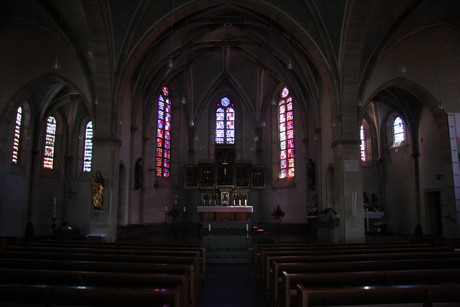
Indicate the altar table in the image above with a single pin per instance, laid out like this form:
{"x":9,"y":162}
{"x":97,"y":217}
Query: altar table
{"x":225,"y":213}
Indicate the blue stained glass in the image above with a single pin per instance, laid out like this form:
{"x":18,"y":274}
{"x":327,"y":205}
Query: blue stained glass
{"x":283,"y":145}
{"x":283,"y":173}
{"x":163,"y":143}
{"x":290,"y":134}
{"x":283,"y":154}
{"x":290,"y":115}
{"x":290,"y":125}
{"x":291,"y":143}
{"x":225,"y":122}
{"x":289,"y":106}
{"x":282,"y":118}
{"x":282,"y":127}
{"x":283,"y":163}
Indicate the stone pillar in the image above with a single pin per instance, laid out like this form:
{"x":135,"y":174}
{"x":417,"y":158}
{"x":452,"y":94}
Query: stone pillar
{"x":349,"y":190}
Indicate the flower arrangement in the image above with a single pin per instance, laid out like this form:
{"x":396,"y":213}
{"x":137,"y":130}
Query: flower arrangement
{"x":278,"y":214}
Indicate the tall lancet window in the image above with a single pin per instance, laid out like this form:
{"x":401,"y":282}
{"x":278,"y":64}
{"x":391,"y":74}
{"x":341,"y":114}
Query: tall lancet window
{"x":398,"y":132}
{"x":50,"y":143}
{"x":163,"y":147}
{"x":286,"y":135}
{"x":17,"y":136}
{"x":362,"y":138}
{"x":88,"y":153}
{"x":225,"y":122}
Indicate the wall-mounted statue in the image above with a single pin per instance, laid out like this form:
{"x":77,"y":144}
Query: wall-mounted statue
{"x":97,"y":191}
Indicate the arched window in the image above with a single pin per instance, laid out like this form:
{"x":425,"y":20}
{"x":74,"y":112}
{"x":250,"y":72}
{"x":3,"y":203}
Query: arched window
{"x":163,"y":133}
{"x":362,"y":138}
{"x":50,"y":143}
{"x":399,"y":136}
{"x":88,"y":152}
{"x":17,"y":136}
{"x":225,"y":122}
{"x":286,"y":135}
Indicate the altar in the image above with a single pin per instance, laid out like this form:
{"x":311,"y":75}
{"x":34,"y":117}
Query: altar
{"x":225,"y":213}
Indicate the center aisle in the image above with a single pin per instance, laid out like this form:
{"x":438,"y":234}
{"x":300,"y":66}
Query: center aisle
{"x":230,"y":285}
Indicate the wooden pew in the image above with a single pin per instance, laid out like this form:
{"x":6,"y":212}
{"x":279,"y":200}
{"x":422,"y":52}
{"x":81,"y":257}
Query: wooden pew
{"x":111,"y":249}
{"x":269,"y":257}
{"x":353,"y":266}
{"x":360,"y":278}
{"x":14,"y":295}
{"x":333,"y":249}
{"x":399,"y":294}
{"x":125,"y":245}
{"x":166,"y":259}
{"x":97,"y":279}
{"x":103,"y":266}
{"x":260,"y":248}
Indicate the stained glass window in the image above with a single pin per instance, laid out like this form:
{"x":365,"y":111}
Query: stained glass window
{"x":163,"y":135}
{"x":88,"y":153}
{"x":50,"y":143}
{"x":286,"y":135}
{"x":17,"y":136}
{"x":398,"y":132}
{"x":225,"y":122}
{"x":362,"y":143}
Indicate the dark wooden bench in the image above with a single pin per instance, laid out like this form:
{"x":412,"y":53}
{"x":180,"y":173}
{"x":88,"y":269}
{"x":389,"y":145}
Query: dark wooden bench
{"x":268,"y":257}
{"x":127,"y":246}
{"x":276,"y":287}
{"x":260,"y":248}
{"x":360,"y":278}
{"x":50,"y":295}
{"x":104,"y":266}
{"x":97,"y":279}
{"x":400,"y":294}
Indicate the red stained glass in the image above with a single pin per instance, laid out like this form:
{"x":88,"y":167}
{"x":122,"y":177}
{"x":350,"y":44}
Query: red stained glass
{"x":286,"y":133}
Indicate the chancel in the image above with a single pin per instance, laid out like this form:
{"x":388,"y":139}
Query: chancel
{"x":228,"y":124}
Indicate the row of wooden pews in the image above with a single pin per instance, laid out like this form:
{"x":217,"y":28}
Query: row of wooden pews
{"x":393,"y":272}
{"x":95,"y":273}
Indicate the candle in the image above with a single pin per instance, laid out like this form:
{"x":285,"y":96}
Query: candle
{"x":245,"y":202}
{"x":185,"y":209}
{"x":247,"y":227}
{"x":209,"y":227}
{"x":166,"y":208}
{"x":239,"y":202}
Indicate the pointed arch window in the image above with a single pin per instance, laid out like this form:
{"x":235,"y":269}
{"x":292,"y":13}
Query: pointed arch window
{"x":362,"y":138}
{"x":50,"y":143}
{"x":163,"y":135}
{"x":225,"y":122}
{"x":88,"y":151}
{"x":286,"y":135}
{"x":399,"y":136}
{"x":17,"y":136}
